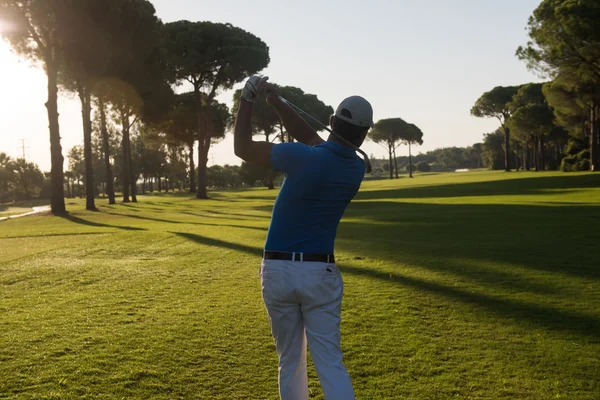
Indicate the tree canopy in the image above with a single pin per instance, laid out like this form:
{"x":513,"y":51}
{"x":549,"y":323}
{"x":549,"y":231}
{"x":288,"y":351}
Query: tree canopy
{"x":496,"y":104}
{"x":211,"y":56}
{"x":564,"y":34}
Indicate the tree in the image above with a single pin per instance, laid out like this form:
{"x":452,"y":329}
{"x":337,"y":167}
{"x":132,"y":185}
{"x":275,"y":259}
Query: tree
{"x":252,"y":173}
{"x":106,"y":135}
{"x":493,"y":154}
{"x":475,"y":155}
{"x":28,"y":179}
{"x":87,"y":51}
{"x":387,"y":132}
{"x":495,"y":104}
{"x":531,"y":120}
{"x":565,"y":40}
{"x":6,"y":177}
{"x":564,"y":34}
{"x":532,"y":123}
{"x":211,"y":56}
{"x":423,"y":167}
{"x":309,"y":103}
{"x":35,"y":29}
{"x":227,"y":176}
{"x":76,"y":166}
{"x":411,"y":135}
{"x":181,"y":126}
{"x":135,"y":83}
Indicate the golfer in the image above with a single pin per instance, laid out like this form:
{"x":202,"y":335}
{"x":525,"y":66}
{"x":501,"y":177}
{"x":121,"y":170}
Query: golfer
{"x":301,"y":285}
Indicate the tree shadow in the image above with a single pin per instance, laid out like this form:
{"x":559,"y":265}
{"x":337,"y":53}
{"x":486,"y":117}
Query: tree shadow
{"x":81,"y":221}
{"x":54,"y":235}
{"x":226,"y":215}
{"x":548,"y":317}
{"x":520,"y":186}
{"x":169,"y":221}
{"x":544,"y":316}
{"x":556,"y":239}
{"x":255,"y":251}
{"x":165,"y":221}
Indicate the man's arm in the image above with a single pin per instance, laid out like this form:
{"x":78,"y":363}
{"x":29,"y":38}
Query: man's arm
{"x":293,"y":122}
{"x":258,"y":153}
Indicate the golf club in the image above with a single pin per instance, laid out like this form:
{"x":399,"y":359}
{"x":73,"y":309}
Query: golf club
{"x":365,"y":158}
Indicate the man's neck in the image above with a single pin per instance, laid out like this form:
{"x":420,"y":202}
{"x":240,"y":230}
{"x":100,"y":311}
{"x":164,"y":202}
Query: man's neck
{"x":335,"y":139}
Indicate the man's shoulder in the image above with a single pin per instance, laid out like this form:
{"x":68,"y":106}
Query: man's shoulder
{"x":294,"y":146}
{"x":291,"y":157}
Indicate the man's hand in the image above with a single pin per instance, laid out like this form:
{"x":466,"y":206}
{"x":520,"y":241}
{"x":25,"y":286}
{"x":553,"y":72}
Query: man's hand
{"x":258,"y":153}
{"x":269,"y":90}
{"x":251,"y":88}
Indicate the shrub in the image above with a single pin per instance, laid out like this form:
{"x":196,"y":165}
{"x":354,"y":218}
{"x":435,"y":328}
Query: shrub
{"x":579,"y":162}
{"x":423,"y":167}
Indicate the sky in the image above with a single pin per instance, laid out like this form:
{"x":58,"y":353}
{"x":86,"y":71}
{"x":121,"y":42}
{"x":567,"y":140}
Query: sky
{"x":425,"y":61}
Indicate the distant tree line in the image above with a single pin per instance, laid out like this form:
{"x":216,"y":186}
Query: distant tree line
{"x":555,"y":124}
{"x":438,"y":160}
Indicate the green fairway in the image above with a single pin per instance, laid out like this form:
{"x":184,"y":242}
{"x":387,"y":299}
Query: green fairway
{"x":482,"y":285}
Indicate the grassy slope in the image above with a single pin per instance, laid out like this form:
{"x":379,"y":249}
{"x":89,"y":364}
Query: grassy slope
{"x":474,"y":286}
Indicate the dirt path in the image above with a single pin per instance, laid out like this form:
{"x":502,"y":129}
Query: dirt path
{"x":35,"y":211}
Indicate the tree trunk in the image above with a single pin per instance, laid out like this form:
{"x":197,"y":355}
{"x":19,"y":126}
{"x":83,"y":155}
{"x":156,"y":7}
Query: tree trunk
{"x":110,"y":185}
{"x":594,"y":132}
{"x":57,"y":190}
{"x":525,"y":150}
{"x":86,"y":111}
{"x":270,"y":184}
{"x":506,"y":149}
{"x":390,"y":162}
{"x":132,"y":177}
{"x":202,"y":161}
{"x":536,"y":155}
{"x":203,"y":148}
{"x":517,"y":161}
{"x":395,"y":162}
{"x":126,"y":158}
{"x":192,"y":169}
{"x":409,"y":161}
{"x":542,"y":158}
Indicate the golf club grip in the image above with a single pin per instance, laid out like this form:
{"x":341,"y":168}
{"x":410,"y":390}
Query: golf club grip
{"x":301,"y":111}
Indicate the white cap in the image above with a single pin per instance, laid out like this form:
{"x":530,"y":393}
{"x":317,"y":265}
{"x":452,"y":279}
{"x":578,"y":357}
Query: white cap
{"x":356,"y":111}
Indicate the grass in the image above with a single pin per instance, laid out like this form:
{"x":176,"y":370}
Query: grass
{"x":473,"y":286}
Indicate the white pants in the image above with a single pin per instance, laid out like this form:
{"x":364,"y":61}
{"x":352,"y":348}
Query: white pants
{"x":304,"y":301}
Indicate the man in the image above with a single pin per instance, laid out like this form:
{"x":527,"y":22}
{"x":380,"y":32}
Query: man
{"x":301,"y":285}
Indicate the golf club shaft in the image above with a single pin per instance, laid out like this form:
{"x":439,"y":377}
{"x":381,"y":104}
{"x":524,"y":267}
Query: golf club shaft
{"x":298,"y":109}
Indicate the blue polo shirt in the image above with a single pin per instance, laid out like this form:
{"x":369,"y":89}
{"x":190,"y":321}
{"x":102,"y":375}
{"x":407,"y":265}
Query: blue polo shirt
{"x":320,"y":181}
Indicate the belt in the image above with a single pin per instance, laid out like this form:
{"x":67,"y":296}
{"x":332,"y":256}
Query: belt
{"x":302,"y":257}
